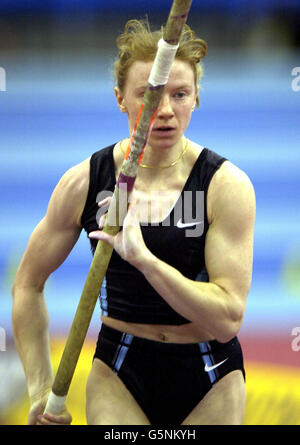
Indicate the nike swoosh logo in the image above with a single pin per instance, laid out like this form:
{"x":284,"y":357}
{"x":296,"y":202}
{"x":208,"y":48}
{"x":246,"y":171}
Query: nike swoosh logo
{"x":210,"y":368}
{"x":182,"y":225}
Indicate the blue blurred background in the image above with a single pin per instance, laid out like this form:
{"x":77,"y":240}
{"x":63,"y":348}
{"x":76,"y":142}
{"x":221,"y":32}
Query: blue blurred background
{"x":58,"y":108}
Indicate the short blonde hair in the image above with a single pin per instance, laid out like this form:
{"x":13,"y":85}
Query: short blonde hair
{"x":138,"y":42}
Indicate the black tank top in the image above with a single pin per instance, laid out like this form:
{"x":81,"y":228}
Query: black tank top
{"x":177,"y":240}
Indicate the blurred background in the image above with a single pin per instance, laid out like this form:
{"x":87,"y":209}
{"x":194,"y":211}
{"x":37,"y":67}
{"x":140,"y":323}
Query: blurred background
{"x":57,"y":107}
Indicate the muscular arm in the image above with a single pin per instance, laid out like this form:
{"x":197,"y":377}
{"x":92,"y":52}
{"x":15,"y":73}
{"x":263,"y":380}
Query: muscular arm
{"x":49,"y":245}
{"x":218,"y":306}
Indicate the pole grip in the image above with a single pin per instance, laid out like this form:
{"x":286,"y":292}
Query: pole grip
{"x":55,"y":404}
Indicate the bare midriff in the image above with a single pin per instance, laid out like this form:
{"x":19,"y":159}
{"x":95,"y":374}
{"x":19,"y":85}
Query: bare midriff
{"x":185,"y":333}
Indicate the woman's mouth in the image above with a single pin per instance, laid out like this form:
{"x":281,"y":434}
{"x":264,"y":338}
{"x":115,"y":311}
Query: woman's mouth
{"x":164,"y":130}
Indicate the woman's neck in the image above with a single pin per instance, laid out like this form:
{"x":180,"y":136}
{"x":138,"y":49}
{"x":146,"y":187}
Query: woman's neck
{"x":160,"y":158}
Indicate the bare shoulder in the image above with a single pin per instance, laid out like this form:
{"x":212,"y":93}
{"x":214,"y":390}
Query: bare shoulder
{"x":69,"y":196}
{"x":229,"y":173}
{"x":77,"y":175}
{"x":230,"y":187}
{"x":195,"y":148}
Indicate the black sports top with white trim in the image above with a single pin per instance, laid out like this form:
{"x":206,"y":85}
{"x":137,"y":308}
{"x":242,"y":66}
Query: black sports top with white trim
{"x":178,"y":240}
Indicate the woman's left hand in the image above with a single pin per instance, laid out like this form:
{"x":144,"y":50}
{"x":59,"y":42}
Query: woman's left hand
{"x":129,"y":242}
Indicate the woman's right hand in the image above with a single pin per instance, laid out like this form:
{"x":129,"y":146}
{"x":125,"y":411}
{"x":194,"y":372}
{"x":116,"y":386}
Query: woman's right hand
{"x":36,"y":414}
{"x":129,"y":242}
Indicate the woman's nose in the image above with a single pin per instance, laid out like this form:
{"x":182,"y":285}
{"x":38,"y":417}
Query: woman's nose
{"x":165,"y":107}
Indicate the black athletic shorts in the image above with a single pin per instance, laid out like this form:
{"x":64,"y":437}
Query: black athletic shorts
{"x":167,"y":379}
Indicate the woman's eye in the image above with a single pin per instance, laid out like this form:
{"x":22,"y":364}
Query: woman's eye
{"x":180,"y":95}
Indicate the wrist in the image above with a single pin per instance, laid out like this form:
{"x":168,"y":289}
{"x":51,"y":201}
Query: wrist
{"x":39,"y":392}
{"x":146,"y":262}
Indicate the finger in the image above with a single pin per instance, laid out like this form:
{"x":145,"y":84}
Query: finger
{"x":104,"y":202}
{"x":48,"y":419}
{"x":42,"y":421}
{"x":102,"y":221}
{"x":31,"y":420}
{"x":102,"y":236}
{"x":63,"y":419}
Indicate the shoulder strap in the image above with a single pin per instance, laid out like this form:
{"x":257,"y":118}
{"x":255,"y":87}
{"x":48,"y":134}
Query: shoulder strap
{"x":102,"y":178}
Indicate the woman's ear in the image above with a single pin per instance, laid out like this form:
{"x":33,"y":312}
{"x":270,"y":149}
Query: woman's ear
{"x":120,"y":100}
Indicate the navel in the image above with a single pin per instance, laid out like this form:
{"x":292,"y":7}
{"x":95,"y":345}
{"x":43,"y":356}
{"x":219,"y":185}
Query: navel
{"x":162,"y":337}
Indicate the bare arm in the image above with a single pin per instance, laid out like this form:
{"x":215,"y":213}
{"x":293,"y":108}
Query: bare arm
{"x":217,"y":306}
{"x":49,"y":245}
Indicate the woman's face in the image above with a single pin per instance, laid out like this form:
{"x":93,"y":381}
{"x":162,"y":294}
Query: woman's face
{"x":177,"y":103}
